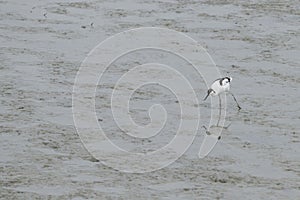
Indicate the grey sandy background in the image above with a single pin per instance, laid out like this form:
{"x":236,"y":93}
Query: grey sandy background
{"x":42,"y":45}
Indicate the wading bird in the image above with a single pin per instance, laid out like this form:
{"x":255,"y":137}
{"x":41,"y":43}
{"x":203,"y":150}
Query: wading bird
{"x":220,"y":86}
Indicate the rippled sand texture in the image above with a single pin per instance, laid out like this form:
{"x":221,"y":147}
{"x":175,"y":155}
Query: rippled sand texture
{"x":42,"y":46}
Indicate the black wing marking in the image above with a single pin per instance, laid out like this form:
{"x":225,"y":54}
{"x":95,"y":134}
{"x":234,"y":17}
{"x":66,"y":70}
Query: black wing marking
{"x":222,"y":79}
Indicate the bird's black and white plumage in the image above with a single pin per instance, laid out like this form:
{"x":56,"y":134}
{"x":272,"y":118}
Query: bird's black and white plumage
{"x":220,"y":86}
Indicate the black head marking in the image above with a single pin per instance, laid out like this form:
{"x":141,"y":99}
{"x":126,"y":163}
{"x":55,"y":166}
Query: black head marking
{"x":209,"y":91}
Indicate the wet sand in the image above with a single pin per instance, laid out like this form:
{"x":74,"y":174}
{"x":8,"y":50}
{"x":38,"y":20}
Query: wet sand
{"x":42,"y":46}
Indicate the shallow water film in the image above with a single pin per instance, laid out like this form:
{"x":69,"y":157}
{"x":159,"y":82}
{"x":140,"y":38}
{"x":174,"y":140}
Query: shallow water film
{"x":44,"y":45}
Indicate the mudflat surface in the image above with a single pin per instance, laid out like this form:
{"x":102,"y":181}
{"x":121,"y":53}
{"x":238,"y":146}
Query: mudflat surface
{"x":42,"y":46}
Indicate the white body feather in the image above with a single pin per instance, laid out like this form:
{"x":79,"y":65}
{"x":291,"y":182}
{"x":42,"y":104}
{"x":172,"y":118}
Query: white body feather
{"x":218,"y":88}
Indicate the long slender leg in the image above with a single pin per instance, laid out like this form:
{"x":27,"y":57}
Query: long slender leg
{"x":239,"y":107}
{"x":220,"y":103}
